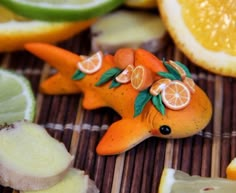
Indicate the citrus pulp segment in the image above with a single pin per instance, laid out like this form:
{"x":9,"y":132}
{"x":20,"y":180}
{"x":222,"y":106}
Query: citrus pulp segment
{"x":125,"y":75}
{"x":15,"y":31}
{"x":176,"y":95}
{"x":91,"y":64}
{"x":178,"y":182}
{"x":141,"y":78}
{"x":57,"y":10}
{"x":159,"y":86}
{"x":17,"y":100}
{"x":204,"y":31}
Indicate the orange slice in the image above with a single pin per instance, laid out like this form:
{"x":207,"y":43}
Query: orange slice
{"x":179,"y":69}
{"x":231,"y":170}
{"x":91,"y":64}
{"x":204,"y":31}
{"x":189,"y":82}
{"x":123,"y":57}
{"x":141,"y":77}
{"x":158,"y":86}
{"x":176,"y":95}
{"x":125,"y":75}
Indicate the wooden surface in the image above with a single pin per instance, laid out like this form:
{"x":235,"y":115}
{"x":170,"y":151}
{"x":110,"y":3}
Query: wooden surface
{"x":138,"y":170}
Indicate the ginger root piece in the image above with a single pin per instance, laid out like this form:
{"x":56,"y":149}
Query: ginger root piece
{"x":30,"y":159}
{"x":134,"y":29}
{"x":74,"y":182}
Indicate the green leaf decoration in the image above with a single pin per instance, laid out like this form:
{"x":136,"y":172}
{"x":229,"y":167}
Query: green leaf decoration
{"x":108,"y":75}
{"x":185,"y":69}
{"x":172,"y":71}
{"x":167,"y":75}
{"x":140,"y":101}
{"x":157,"y":102}
{"x":78,"y":75}
{"x":114,"y":84}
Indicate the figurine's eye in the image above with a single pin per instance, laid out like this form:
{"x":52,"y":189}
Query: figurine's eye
{"x":165,"y":130}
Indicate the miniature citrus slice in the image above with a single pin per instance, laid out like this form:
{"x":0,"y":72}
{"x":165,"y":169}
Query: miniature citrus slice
{"x":231,"y":170}
{"x":91,"y":64}
{"x":176,"y":95}
{"x":125,"y":75}
{"x":189,"y":82}
{"x":17,"y":101}
{"x":177,"y":181}
{"x":141,"y":78}
{"x":57,"y":10}
{"x":204,"y":31}
{"x":179,"y":69}
{"x":159,"y":86}
{"x":15,"y":31}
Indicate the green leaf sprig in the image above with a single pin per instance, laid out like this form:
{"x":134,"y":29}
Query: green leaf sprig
{"x":143,"y":98}
{"x":110,"y":75}
{"x":172,"y":73}
{"x":78,"y":75}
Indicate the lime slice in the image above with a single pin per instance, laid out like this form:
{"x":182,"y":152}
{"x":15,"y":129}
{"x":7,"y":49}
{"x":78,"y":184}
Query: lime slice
{"x":17,"y":101}
{"x":60,"y":10}
{"x":175,"y":181}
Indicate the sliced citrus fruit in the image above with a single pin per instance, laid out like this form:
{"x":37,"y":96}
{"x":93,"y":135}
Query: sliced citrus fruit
{"x":123,"y":57}
{"x":146,"y":4}
{"x":189,"y":82}
{"x":177,"y":181}
{"x":179,"y":69}
{"x":231,"y":170}
{"x":125,"y":75}
{"x":176,"y":95}
{"x":58,"y":10}
{"x":91,"y":64}
{"x":141,"y":78}
{"x":15,"y":30}
{"x":17,"y":101}
{"x":204,"y":31}
{"x":159,"y":86}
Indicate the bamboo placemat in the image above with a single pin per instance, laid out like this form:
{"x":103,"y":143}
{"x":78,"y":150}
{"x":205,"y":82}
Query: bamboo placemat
{"x":138,"y":170}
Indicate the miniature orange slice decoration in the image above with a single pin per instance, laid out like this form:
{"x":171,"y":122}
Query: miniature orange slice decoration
{"x":189,"y":82}
{"x":125,"y":75}
{"x":123,"y":57}
{"x":176,"y":95}
{"x":91,"y":64}
{"x":179,"y":69}
{"x":159,"y":86}
{"x":141,"y":78}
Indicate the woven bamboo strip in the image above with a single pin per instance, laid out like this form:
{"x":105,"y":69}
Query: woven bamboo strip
{"x":216,"y":143}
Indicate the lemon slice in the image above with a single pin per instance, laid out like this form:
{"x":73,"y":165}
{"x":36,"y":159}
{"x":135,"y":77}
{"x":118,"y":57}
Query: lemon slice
{"x":59,"y":10}
{"x":204,"y":31}
{"x":17,"y":101}
{"x":177,"y":181}
{"x":16,"y":30}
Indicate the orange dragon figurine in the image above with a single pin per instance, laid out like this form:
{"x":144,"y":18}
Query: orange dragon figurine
{"x":153,"y":97}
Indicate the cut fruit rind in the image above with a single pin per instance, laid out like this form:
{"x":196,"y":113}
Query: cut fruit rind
{"x":217,"y":61}
{"x":56,"y":11}
{"x":17,"y":101}
{"x":30,"y":159}
{"x":15,"y":31}
{"x":75,"y":181}
{"x":177,"y":181}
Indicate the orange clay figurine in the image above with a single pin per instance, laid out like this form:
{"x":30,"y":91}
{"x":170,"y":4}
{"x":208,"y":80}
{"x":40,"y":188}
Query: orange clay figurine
{"x":153,"y":97}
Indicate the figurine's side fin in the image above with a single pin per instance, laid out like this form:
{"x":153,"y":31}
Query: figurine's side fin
{"x":92,"y":100}
{"x":122,"y":136}
{"x":58,"y":84}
